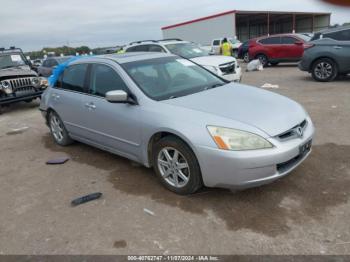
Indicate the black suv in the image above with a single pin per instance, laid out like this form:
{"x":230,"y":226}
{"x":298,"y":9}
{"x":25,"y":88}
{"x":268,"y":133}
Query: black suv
{"x":18,"y":82}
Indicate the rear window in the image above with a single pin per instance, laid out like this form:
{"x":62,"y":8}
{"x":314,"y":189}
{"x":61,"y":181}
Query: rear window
{"x":270,"y":41}
{"x":216,"y":42}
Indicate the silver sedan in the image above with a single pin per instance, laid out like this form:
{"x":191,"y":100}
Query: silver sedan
{"x":193,"y":127}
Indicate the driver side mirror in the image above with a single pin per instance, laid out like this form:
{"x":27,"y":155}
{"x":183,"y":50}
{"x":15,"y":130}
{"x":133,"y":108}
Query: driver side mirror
{"x":119,"y":96}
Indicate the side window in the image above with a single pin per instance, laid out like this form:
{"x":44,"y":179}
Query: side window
{"x":104,"y":79}
{"x":74,"y":78}
{"x":53,"y":63}
{"x":139,"y":48}
{"x":271,"y":41}
{"x":130,"y":49}
{"x":155,"y":48}
{"x":46,"y":63}
{"x":216,"y":42}
{"x":287,"y":40}
{"x":343,"y":35}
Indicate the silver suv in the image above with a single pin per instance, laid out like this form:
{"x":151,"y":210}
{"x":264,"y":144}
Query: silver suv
{"x":223,"y":66}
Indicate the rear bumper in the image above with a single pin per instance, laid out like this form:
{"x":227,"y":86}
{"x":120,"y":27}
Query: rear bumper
{"x":14,"y":99}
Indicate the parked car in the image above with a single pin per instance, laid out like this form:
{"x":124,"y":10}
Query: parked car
{"x":243,"y":52}
{"x":223,"y":66}
{"x":18,"y":82}
{"x":193,"y":127}
{"x":278,"y":48}
{"x":50,"y":63}
{"x":216,"y":44}
{"x":328,"y":57}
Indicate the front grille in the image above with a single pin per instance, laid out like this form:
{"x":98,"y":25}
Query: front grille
{"x":292,"y":133}
{"x":228,"y":68}
{"x":20,"y":82}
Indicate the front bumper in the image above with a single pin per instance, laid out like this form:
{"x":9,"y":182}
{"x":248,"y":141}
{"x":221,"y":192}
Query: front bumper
{"x":235,"y":77}
{"x":14,"y":99}
{"x":245,"y":169}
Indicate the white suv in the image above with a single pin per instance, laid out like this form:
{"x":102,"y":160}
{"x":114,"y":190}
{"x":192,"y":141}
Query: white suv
{"x":224,"y":66}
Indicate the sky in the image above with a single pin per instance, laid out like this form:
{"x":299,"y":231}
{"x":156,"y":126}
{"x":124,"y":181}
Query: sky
{"x":34,"y":24}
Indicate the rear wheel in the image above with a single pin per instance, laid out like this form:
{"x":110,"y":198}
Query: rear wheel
{"x":263,"y":59}
{"x":324,"y":70}
{"x":246,"y":57}
{"x":58,"y":130}
{"x":176,"y":166}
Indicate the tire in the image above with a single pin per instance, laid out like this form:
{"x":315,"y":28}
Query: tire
{"x":324,"y":70}
{"x":263,"y":59}
{"x":28,"y":100}
{"x":58,"y":130}
{"x":274,"y":63}
{"x":246,"y":57}
{"x":172,"y":173}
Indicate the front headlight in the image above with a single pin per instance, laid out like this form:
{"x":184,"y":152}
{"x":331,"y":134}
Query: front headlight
{"x":35,"y":81}
{"x":236,"y":140}
{"x":212,"y":69}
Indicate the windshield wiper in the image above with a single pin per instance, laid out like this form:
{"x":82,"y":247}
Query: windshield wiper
{"x":213,"y":86}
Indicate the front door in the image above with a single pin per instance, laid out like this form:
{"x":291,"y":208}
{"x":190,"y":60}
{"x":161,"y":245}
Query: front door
{"x":114,"y":126}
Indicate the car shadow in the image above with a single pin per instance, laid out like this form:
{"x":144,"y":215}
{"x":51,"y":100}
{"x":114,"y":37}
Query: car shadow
{"x":320,"y":183}
{"x":20,"y":106}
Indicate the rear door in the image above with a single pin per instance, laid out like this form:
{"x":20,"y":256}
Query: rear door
{"x":292,"y":48}
{"x":271,"y":46}
{"x":115,"y":126}
{"x":67,"y":97}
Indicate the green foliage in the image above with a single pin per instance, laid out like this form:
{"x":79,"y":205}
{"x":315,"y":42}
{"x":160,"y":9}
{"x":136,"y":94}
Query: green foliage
{"x":65,"y":50}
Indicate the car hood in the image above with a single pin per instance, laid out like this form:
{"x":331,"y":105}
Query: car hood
{"x":213,"y":60}
{"x":16,"y":71}
{"x":267,"y":111}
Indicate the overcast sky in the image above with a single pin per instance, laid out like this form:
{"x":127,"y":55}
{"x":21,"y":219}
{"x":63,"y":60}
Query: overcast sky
{"x":33,"y":24}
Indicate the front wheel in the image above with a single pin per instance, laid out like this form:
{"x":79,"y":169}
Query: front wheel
{"x":58,"y":130}
{"x":324,"y":70}
{"x":176,"y":166}
{"x":263,"y":59}
{"x":246,"y":57}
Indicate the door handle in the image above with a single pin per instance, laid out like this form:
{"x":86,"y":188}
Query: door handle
{"x":337,"y":47}
{"x":55,"y":96}
{"x":90,"y":105}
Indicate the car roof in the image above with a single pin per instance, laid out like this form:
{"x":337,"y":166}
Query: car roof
{"x":276,"y":35}
{"x":58,"y":57}
{"x":159,"y":42}
{"x":124,"y":58}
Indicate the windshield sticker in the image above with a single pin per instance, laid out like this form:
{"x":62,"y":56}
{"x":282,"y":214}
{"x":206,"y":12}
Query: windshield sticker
{"x":197,"y":50}
{"x":16,"y":58}
{"x":185,"y":62}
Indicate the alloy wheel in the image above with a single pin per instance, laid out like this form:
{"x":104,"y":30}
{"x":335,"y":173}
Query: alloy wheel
{"x":56,"y":128}
{"x":323,"y":70}
{"x":173,"y":167}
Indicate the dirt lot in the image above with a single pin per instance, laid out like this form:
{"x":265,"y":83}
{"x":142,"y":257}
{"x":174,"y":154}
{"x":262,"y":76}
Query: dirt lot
{"x":308,"y":212}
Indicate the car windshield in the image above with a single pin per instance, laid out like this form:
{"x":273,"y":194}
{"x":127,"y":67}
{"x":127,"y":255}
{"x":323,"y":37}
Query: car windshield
{"x":187,"y":50}
{"x":11,"y":60}
{"x":170,"y":77}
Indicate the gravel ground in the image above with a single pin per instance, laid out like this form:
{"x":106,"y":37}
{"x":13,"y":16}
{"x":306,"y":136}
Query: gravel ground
{"x":307,"y":212}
